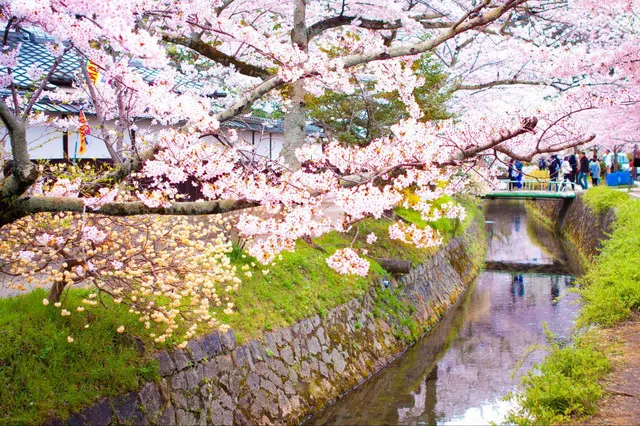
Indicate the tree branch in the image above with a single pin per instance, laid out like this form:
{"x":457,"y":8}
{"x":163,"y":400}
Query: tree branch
{"x":26,"y":206}
{"x":216,"y":55}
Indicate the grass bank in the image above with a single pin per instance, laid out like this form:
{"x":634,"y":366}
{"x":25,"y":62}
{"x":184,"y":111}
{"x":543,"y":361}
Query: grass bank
{"x":568,"y":383}
{"x":44,"y":375}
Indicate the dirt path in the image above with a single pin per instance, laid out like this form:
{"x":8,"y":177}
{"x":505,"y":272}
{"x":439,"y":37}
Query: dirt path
{"x":621,"y":406}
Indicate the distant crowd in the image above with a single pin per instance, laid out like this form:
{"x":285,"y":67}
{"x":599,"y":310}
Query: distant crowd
{"x":567,"y":171}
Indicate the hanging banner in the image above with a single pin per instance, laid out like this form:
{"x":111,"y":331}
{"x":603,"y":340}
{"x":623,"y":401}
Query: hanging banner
{"x":94,"y":72}
{"x":83,"y":131}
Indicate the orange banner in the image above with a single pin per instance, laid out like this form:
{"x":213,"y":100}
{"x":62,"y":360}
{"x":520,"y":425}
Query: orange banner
{"x":94,"y":72}
{"x":83,"y":131}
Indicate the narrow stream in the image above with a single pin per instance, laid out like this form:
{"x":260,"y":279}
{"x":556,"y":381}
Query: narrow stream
{"x":460,"y":371}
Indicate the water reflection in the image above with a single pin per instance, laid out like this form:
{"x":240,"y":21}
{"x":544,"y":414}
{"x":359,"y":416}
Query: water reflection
{"x":461,"y":370}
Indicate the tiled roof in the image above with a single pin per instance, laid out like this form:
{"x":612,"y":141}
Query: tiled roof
{"x":34,"y":52}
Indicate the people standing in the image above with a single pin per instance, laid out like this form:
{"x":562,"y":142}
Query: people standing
{"x":594,"y":168}
{"x":519,"y":174}
{"x":573,"y":161}
{"x":607,"y":159}
{"x":566,"y":172}
{"x":511,"y":174}
{"x":583,"y":171}
{"x":554,"y":169}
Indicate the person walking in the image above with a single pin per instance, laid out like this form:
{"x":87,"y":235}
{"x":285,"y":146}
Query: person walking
{"x":607,"y":159}
{"x":594,"y":168}
{"x":566,"y":172}
{"x":573,"y":161}
{"x":511,"y":174}
{"x":554,"y":169}
{"x":519,"y":174}
{"x":583,"y":171}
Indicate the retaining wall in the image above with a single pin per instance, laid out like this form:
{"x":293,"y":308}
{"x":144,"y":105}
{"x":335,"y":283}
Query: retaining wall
{"x":292,"y":372}
{"x":585,"y":229}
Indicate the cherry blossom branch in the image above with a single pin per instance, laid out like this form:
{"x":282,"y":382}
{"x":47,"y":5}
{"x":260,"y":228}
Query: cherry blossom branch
{"x":26,"y":206}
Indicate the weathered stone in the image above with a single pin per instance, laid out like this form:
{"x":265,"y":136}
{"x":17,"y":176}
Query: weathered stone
{"x":275,"y":379}
{"x":165,"y":393}
{"x":166,"y":364}
{"x":326,"y":357}
{"x":296,"y":348}
{"x":75,"y":420}
{"x":196,"y":350}
{"x":258,"y":351}
{"x":324,"y":370}
{"x":220,"y":416}
{"x":261,"y":368}
{"x":253,"y":381}
{"x":211,"y":344}
{"x":315,"y":320}
{"x":268,"y":386}
{"x":296,"y":402}
{"x":242,"y":357}
{"x":320,"y":335}
{"x":286,"y":354}
{"x":228,"y":340}
{"x":226,"y":400}
{"x":313,"y":345}
{"x":338,"y":361}
{"x":98,"y":414}
{"x":265,"y":421}
{"x":305,"y":370}
{"x":306,"y":327}
{"x":180,"y":399}
{"x":168,"y":417}
{"x":234,"y":383}
{"x":272,"y":346}
{"x":284,"y":405}
{"x":278,"y":367}
{"x":151,"y":400}
{"x":293,"y":375}
{"x":185,"y":417}
{"x":127,"y":410}
{"x":211,"y":369}
{"x":288,"y":388}
{"x":259,"y":404}
{"x":225,"y":363}
{"x":181,"y":359}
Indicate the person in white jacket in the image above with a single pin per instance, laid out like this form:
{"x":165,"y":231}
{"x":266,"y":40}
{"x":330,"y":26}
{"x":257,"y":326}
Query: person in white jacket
{"x":565,"y":169}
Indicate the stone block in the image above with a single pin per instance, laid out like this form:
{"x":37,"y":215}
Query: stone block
{"x":166,"y":364}
{"x":151,"y":400}
{"x":127,"y":410}
{"x":242,"y":357}
{"x":211,"y":344}
{"x":313,"y":345}
{"x":168,"y":417}
{"x":196,"y":350}
{"x":184,"y":417}
{"x":253,"y":381}
{"x":99,"y":414}
{"x":258,"y":351}
{"x":286,"y":354}
{"x":228,"y":340}
{"x":180,"y":359}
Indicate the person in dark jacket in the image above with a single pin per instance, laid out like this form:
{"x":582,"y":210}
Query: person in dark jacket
{"x":511,"y":173}
{"x":583,"y":172}
{"x":573,"y":162}
{"x":554,"y":169}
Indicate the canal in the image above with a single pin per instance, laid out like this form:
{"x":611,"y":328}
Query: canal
{"x":460,"y":372}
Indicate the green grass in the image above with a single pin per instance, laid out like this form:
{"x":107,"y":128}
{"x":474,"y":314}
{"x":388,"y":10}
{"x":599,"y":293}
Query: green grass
{"x":567,"y":384}
{"x":43,"y":376}
{"x":302,"y":284}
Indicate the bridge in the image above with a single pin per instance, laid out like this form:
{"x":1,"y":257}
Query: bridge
{"x":530,"y":190}
{"x":536,"y":190}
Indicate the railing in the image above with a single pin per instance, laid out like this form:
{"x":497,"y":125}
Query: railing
{"x":535,"y":185}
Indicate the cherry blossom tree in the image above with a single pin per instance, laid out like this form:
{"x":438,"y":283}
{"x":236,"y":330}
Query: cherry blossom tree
{"x":525,"y":74}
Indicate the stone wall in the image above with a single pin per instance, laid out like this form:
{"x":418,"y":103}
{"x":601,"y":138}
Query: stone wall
{"x":585,"y":229}
{"x":292,"y":372}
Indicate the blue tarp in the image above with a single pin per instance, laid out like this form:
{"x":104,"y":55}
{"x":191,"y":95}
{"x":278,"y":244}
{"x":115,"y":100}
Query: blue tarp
{"x":618,"y":178}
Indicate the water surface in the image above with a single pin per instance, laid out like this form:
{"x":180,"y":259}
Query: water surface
{"x":460,"y":371}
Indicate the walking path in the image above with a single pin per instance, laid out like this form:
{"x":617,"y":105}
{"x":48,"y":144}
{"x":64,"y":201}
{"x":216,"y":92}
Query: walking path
{"x":621,"y":405}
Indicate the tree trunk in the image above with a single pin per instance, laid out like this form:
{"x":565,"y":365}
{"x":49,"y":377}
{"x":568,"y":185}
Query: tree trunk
{"x":56,"y":291}
{"x":296,"y":118}
{"x":295,"y":123}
